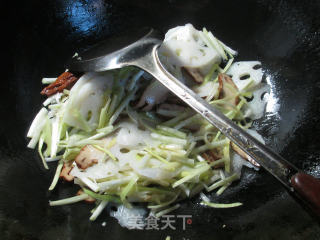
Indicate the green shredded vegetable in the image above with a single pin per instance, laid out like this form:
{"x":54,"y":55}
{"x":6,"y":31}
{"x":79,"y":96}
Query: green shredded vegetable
{"x":105,"y":151}
{"x":69,"y":200}
{"x":221,"y":205}
{"x":102,"y":197}
{"x":128,"y":188}
{"x":56,"y":176}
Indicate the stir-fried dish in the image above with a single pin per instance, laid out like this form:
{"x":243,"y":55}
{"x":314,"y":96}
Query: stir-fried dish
{"x":123,"y":138}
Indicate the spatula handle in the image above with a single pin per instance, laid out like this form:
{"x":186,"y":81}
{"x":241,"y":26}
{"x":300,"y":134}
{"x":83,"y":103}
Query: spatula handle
{"x":307,"y":188}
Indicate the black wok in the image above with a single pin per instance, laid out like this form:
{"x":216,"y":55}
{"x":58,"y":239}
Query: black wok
{"x":41,"y":35}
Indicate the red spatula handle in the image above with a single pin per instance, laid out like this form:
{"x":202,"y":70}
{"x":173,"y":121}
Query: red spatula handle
{"x":308,"y":188}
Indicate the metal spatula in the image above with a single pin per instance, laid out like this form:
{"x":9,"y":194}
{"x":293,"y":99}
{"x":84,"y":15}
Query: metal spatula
{"x":140,"y":49}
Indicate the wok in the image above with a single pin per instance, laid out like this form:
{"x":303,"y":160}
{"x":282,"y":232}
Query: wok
{"x":40,"y":36}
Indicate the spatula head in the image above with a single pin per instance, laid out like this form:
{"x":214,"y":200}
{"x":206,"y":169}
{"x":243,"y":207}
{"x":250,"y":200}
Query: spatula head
{"x":108,"y":54}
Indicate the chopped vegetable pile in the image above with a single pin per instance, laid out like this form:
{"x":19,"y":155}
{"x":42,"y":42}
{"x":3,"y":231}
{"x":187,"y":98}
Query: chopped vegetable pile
{"x":123,"y":138}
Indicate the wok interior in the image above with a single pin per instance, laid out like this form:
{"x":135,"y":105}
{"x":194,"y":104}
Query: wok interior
{"x":283,"y":36}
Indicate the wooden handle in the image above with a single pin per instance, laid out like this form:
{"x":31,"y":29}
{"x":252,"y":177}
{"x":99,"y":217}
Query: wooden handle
{"x":308,"y":188}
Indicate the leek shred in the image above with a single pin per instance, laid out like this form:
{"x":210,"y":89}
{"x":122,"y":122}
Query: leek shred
{"x":102,"y":197}
{"x":221,"y":205}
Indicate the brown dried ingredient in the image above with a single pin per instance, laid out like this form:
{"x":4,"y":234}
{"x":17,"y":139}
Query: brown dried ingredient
{"x":88,"y":199}
{"x":244,"y":155}
{"x":87,"y":157}
{"x":227,"y":88}
{"x":64,"y":81}
{"x":213,"y":155}
{"x":65,"y":172}
{"x":194,"y":73}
